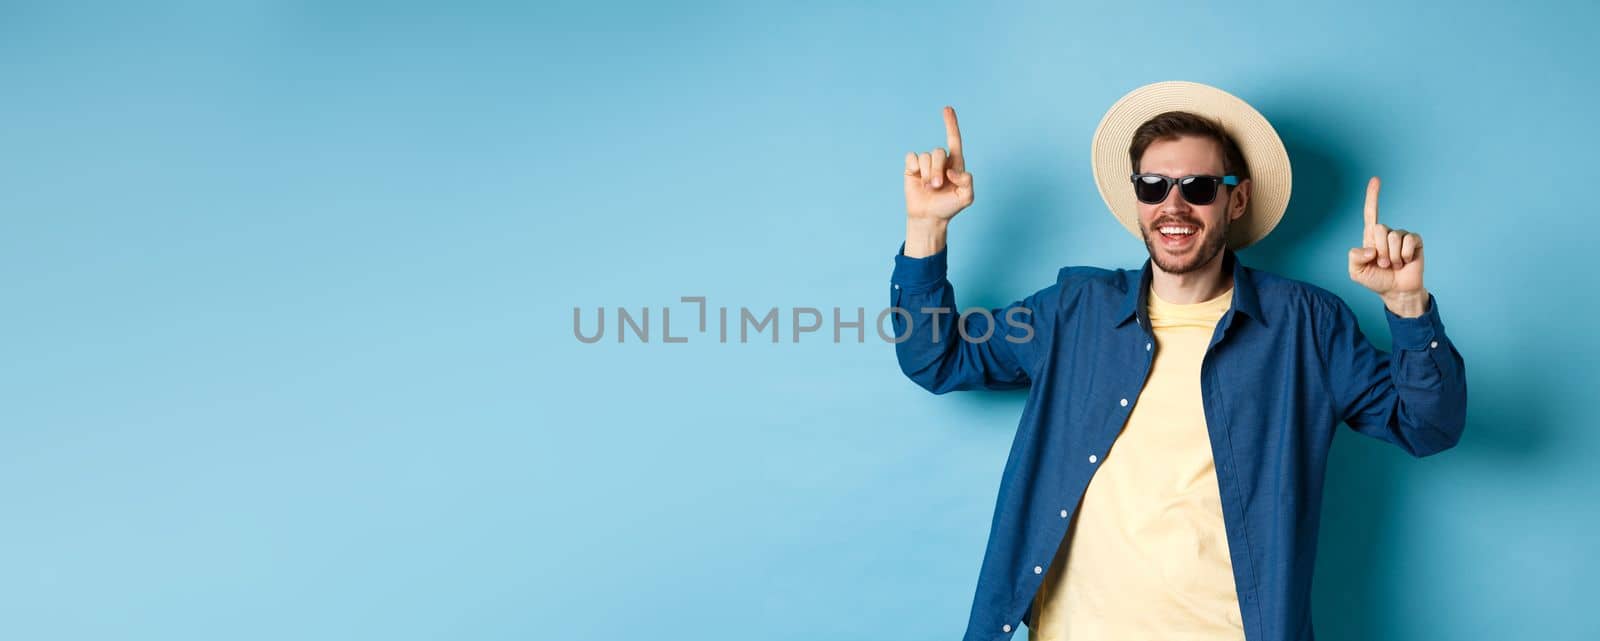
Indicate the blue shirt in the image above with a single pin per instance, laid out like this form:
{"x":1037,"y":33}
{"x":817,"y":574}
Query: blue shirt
{"x":1285,"y":365}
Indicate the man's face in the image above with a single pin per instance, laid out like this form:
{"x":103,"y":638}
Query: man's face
{"x":1178,"y":253}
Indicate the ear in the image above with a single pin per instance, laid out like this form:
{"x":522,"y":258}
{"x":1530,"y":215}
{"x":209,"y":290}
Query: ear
{"x":1238,"y":199}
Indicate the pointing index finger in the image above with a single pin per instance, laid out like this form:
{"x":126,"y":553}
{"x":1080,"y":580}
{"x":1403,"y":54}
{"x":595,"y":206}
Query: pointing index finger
{"x":1372,"y":201}
{"x":952,"y":139}
{"x":1370,"y":214}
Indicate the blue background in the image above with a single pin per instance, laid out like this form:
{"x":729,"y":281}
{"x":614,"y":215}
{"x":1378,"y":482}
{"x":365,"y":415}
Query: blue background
{"x":288,"y":294}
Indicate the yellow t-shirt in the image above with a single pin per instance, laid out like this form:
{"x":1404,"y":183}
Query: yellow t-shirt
{"x":1146,"y":554}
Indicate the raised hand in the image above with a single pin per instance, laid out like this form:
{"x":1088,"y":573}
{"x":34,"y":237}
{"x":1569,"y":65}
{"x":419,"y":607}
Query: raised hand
{"x":1389,"y":261}
{"x":937,"y":183}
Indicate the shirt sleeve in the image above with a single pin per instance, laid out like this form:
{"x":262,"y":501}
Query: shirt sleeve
{"x":1414,"y":397}
{"x":943,"y":349}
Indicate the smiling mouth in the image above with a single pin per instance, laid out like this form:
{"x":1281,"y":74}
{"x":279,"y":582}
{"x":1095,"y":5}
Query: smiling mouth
{"x":1176,"y":234}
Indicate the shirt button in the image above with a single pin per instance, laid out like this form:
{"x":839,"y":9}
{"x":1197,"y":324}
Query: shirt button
{"x":1147,"y":347}
{"x":1005,"y":628}
{"x":1038,"y":570}
{"x":1433,"y":345}
{"x":1124,"y":402}
{"x":1092,"y":458}
{"x":897,"y":286}
{"x":1063,"y":514}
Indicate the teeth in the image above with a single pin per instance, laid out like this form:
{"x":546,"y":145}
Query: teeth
{"x":1179,"y":231}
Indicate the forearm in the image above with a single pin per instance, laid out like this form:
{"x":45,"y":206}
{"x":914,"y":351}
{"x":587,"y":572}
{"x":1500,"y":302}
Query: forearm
{"x":1429,"y":377}
{"x":1414,"y":396}
{"x":1407,"y":304}
{"x":941,"y":350}
{"x":924,"y":237}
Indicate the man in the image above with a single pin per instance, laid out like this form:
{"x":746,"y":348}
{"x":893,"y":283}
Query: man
{"x":1166,"y":477}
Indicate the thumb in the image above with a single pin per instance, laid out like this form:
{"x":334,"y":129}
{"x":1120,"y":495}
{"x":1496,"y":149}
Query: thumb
{"x":963,"y":184}
{"x":1361,"y":256}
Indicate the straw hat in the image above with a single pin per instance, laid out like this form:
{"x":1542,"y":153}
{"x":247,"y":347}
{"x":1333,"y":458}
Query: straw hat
{"x":1263,"y":151}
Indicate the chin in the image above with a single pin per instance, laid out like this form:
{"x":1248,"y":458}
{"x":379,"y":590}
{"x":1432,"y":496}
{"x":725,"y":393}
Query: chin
{"x":1176,"y":265}
{"x":1197,"y":256}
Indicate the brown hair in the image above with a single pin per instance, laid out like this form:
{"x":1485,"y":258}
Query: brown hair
{"x":1172,"y":124}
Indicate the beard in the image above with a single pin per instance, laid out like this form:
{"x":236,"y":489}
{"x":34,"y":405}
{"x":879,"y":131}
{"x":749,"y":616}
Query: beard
{"x":1206,"y":248}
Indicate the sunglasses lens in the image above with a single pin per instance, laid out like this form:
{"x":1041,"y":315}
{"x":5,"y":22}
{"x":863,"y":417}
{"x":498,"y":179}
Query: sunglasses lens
{"x":1199,"y":191}
{"x":1150,"y":189}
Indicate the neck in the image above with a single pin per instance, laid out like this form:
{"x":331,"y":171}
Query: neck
{"x":1195,"y":286}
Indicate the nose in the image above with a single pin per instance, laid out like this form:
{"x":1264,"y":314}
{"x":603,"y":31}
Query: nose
{"x":1174,"y":203}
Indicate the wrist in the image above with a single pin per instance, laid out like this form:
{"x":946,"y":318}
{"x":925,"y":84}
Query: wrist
{"x":925,"y":237}
{"x":1407,"y":304}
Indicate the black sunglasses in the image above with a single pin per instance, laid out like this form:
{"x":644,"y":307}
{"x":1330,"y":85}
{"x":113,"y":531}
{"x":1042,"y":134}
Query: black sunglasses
{"x":1198,"y":190}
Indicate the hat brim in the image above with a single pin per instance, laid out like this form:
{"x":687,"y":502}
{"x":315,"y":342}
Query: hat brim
{"x":1270,"y":175}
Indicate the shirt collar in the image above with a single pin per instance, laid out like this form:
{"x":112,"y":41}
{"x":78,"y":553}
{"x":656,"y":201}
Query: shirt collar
{"x":1134,"y":303}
